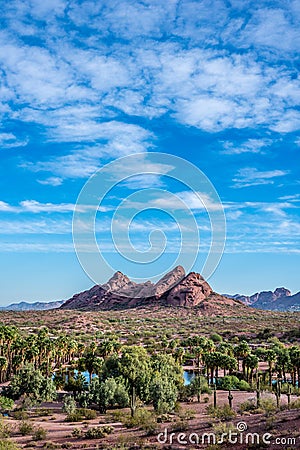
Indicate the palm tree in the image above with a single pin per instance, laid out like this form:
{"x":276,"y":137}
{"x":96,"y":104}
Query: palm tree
{"x":283,"y":362}
{"x":91,"y":363}
{"x":228,"y":362}
{"x":241,"y":351}
{"x":212,"y":361}
{"x":106,"y":348}
{"x":251,"y":363}
{"x":178,"y":355}
{"x":294,"y":353}
{"x":270,"y":356}
{"x":3,"y":368}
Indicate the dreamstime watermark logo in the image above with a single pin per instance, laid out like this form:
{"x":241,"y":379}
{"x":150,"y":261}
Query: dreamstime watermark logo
{"x":240,"y":435}
{"x":158,"y":184}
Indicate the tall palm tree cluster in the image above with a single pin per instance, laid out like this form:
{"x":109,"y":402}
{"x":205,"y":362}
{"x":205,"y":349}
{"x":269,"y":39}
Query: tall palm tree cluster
{"x":48,"y":353}
{"x":42,"y":350}
{"x":209,"y":357}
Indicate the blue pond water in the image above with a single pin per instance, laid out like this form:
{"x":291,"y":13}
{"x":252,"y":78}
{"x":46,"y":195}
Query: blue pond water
{"x":188,"y":375}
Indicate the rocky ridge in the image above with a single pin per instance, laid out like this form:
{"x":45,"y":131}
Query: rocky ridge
{"x":175,"y":289}
{"x":37,"y":306}
{"x":281,"y":299}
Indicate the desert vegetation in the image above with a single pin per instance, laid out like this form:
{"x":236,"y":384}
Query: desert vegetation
{"x":116,"y":380}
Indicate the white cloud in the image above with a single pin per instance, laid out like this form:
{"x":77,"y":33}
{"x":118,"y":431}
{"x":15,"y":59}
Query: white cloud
{"x":37,"y":247}
{"x":5,"y":207}
{"x":35,"y":207}
{"x":51,"y":181}
{"x":42,"y":226}
{"x":118,"y":139}
{"x":272,"y":28}
{"x":9,"y":140}
{"x":249,"y":146}
{"x":199,"y":201}
{"x":250,"y":176}
{"x":205,"y":87}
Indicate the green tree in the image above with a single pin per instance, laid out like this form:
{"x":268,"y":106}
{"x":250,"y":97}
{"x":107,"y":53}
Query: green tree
{"x":164,"y":394}
{"x":69,"y":405}
{"x":108,"y":393}
{"x":76,"y":384}
{"x":135,"y":367}
{"x":31,"y":383}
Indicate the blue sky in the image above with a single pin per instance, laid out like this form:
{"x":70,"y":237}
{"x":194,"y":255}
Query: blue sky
{"x":86,"y":82}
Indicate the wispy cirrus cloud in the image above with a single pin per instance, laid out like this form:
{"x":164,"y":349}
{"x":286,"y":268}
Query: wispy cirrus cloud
{"x":249,"y":146}
{"x":35,"y":207}
{"x":9,"y":140}
{"x":51,"y":181}
{"x":111,"y":140}
{"x":250,"y":176}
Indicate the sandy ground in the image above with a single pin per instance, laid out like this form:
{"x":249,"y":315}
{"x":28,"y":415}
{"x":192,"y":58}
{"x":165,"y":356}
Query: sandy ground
{"x":282,"y":425}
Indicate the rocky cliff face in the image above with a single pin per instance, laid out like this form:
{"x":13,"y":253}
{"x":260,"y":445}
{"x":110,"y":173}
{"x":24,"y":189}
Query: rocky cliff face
{"x":279,"y":300}
{"x":190,"y":291}
{"x":121,"y":291}
{"x":174,"y":289}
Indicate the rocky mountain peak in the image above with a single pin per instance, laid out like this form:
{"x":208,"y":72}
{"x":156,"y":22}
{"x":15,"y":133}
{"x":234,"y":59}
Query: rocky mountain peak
{"x":190,"y":291}
{"x":168,"y":281}
{"x":282,"y":292}
{"x":279,"y":300}
{"x":173,"y":289}
{"x":117,"y":281}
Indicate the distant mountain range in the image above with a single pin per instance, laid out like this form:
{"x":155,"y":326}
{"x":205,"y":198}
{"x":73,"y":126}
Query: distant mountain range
{"x":279,"y":300}
{"x":174,"y":289}
{"x":37,"y":306}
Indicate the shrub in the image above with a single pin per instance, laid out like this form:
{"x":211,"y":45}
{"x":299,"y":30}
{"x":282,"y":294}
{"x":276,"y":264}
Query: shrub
{"x":5,"y":430}
{"x":33,"y":383}
{"x":164,"y":394}
{"x":77,"y":433}
{"x":295,"y":404}
{"x":98,"y":432}
{"x":7,"y":445}
{"x":243,"y":386}
{"x":69,"y":406}
{"x":6,"y":404}
{"x":25,"y":428}
{"x":187,"y":414}
{"x":215,"y":337}
{"x":20,"y":415}
{"x":141,"y":419}
{"x":51,"y":445}
{"x":180,"y":425}
{"x":39,"y":434}
{"x":268,"y":405}
{"x":221,"y":412}
{"x":232,"y":382}
{"x":74,"y":417}
{"x":41,"y":412}
{"x":248,"y":405}
{"x":222,"y":430}
{"x":88,"y":414}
